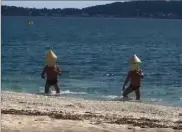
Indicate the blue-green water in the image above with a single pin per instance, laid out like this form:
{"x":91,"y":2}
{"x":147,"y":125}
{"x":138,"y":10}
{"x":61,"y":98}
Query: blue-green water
{"x":93,"y":54}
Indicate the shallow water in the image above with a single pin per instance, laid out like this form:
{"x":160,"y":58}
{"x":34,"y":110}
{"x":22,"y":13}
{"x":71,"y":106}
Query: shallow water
{"x":93,"y":55}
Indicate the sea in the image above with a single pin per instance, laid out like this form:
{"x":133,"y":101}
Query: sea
{"x":93,"y":54}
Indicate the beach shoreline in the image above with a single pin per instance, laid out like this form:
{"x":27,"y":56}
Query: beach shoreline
{"x":114,"y":115}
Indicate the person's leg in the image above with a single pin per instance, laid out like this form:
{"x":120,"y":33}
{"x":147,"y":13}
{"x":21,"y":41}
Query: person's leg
{"x":57,"y":88}
{"x":137,"y":92}
{"x":47,"y":86}
{"x":127,"y":91}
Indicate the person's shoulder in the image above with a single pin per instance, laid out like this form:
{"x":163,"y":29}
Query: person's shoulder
{"x":45,"y":68}
{"x":129,"y":72}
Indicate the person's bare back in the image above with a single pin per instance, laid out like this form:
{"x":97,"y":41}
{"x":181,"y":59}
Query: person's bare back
{"x":52,"y":77}
{"x":134,"y":76}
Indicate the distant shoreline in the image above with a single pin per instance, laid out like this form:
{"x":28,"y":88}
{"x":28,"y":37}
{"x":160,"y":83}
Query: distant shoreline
{"x":102,"y":17}
{"x":132,"y":9}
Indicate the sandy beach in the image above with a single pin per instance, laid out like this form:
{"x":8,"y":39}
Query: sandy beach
{"x":39,"y":113}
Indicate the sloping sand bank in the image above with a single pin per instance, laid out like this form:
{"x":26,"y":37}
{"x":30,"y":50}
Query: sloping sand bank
{"x":27,"y":112}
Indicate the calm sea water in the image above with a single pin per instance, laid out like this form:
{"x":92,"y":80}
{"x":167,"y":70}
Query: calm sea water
{"x":93,"y":55}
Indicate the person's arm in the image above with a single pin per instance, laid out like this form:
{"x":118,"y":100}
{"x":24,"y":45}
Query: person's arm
{"x":141,"y":73}
{"x":126,"y":81}
{"x":43,"y":73}
{"x":59,"y":71}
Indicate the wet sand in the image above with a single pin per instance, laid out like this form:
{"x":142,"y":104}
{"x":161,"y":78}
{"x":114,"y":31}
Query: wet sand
{"x":30,"y":112}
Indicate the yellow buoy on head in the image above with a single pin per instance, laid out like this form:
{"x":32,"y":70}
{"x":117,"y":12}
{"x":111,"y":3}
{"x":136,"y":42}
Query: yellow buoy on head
{"x":135,"y":67}
{"x":135,"y":59}
{"x":135,"y":63}
{"x":51,"y":58}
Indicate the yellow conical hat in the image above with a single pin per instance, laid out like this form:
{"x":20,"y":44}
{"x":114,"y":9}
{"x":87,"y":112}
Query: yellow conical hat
{"x":51,"y":58}
{"x":135,"y":59}
{"x":51,"y":55}
{"x":135,"y":66}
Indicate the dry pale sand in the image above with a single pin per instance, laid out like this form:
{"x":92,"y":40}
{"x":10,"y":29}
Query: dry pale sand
{"x":38,"y":113}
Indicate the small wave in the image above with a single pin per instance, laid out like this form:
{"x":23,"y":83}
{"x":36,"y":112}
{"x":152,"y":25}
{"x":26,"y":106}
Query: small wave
{"x":69,"y":92}
{"x":110,"y":96}
{"x":98,"y":96}
{"x":63,"y":92}
{"x":155,"y":100}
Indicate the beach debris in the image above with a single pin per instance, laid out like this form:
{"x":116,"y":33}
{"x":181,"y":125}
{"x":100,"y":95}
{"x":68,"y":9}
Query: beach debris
{"x":21,"y":102}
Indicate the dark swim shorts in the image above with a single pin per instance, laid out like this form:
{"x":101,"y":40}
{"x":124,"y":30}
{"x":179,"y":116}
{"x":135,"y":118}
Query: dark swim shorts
{"x":52,"y":82}
{"x":135,"y":87}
